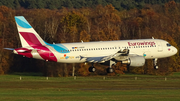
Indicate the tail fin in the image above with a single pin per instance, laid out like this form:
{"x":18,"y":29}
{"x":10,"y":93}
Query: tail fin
{"x":28,"y":36}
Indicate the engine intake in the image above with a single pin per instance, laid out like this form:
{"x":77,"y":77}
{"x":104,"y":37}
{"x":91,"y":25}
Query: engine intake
{"x":135,"y":61}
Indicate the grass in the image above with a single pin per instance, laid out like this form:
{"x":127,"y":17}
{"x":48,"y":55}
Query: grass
{"x":124,"y":88}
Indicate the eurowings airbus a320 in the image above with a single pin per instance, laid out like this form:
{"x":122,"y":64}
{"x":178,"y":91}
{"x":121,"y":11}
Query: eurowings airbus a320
{"x":131,"y":52}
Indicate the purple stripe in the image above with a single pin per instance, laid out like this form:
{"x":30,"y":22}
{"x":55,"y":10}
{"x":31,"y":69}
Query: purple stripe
{"x":30,"y":38}
{"x":45,"y":53}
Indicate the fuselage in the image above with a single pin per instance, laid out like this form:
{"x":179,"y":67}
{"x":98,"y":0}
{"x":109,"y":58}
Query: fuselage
{"x":73,"y":52}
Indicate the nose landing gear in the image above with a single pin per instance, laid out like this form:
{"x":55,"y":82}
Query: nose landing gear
{"x":155,"y":63}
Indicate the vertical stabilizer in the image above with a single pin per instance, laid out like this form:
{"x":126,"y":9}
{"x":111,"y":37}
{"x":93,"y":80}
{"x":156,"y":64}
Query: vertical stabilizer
{"x":28,"y":36}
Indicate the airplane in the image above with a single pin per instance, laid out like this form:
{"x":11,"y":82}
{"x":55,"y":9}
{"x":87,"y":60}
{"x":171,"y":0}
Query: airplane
{"x":130,"y":52}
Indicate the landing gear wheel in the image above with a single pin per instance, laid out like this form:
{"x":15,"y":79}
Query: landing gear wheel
{"x":155,"y":67}
{"x":92,"y":69}
{"x":155,"y":63}
{"x":110,"y":70}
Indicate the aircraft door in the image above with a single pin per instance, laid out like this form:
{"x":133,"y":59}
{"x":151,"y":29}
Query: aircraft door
{"x":160,"y":49}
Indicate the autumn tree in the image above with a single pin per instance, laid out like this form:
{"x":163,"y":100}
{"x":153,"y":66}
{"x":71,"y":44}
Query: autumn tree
{"x":83,"y":69}
{"x":73,"y":24}
{"x":6,"y":39}
{"x":84,"y":36}
{"x":120,"y":68}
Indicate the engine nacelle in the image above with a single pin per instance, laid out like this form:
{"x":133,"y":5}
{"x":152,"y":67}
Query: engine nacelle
{"x":135,"y":61}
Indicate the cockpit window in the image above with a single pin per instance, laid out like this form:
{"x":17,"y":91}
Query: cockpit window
{"x":168,"y":44}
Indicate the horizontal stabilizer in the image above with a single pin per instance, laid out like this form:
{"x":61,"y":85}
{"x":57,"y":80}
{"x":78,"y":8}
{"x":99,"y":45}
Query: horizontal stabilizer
{"x":9,"y":48}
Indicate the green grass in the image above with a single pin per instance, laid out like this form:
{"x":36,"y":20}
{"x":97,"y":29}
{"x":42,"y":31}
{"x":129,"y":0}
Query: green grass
{"x":124,"y":88}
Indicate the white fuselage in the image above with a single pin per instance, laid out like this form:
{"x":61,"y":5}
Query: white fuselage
{"x":149,"y":48}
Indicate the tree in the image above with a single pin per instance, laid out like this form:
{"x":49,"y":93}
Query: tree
{"x":120,"y":68}
{"x":31,"y":4}
{"x":16,"y":4}
{"x":73,"y":23}
{"x":83,"y":69}
{"x":84,"y":36}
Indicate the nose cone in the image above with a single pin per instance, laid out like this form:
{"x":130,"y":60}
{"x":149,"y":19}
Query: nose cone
{"x":174,"y":50}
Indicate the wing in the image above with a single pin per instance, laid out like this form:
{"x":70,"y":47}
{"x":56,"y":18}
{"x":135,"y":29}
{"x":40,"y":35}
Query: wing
{"x":103,"y":59}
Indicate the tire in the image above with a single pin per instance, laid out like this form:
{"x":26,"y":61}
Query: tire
{"x":156,"y":67}
{"x":110,"y":70}
{"x":92,"y":69}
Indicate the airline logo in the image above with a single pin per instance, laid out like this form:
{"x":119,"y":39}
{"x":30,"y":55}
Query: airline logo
{"x":141,"y":43}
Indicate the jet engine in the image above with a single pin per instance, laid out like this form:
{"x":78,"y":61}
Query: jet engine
{"x":135,"y":61}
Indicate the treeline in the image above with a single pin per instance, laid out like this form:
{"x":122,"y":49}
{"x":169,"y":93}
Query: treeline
{"x":58,"y":4}
{"x":90,"y":24}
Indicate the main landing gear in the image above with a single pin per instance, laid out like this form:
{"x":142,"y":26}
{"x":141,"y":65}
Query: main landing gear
{"x":92,"y":68}
{"x":155,"y":63}
{"x":109,"y":69}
